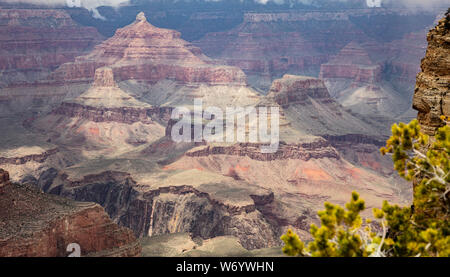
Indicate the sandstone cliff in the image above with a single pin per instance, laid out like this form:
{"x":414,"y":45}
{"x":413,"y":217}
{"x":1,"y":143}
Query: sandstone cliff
{"x":34,"y":224}
{"x":431,"y":97}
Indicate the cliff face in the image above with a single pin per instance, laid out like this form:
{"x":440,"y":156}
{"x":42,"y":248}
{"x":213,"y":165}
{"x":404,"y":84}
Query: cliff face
{"x":172,"y":208}
{"x":431,"y":97}
{"x":304,"y":152}
{"x":35,"y":42}
{"x":368,"y":58}
{"x":143,"y":52}
{"x":293,"y":90}
{"x":356,"y":81}
{"x":308,"y":106}
{"x":34,"y":224}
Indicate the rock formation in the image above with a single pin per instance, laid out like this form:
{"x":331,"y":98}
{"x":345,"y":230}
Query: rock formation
{"x":309,"y":107}
{"x":34,"y":224}
{"x":143,"y":52}
{"x":431,"y":96}
{"x":4,"y":180}
{"x":293,"y":90}
{"x":34,"y":42}
{"x":105,"y":101}
{"x":407,"y":52}
{"x":352,"y":63}
{"x":104,"y":115}
{"x":356,"y":82}
{"x":368,"y":58}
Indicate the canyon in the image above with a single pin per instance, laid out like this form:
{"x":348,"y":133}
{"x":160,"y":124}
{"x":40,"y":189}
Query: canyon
{"x":96,"y":128}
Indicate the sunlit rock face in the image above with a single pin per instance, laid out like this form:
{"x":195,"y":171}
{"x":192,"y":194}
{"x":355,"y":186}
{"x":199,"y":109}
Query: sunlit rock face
{"x":431,"y":96}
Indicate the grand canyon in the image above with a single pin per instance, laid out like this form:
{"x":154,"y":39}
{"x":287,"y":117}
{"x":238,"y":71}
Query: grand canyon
{"x":87,"y":98}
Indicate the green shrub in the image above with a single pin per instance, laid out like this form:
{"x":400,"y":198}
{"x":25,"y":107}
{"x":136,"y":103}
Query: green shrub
{"x":420,"y":230}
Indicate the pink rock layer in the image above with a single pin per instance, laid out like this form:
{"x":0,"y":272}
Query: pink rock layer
{"x":143,"y":52}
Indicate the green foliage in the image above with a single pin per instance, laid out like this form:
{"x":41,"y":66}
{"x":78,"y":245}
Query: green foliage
{"x":341,"y":234}
{"x":420,"y":230}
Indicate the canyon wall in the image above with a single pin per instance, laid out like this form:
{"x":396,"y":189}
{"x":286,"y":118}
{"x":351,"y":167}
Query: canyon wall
{"x":431,"y":98}
{"x":34,"y":224}
{"x":35,"y":42}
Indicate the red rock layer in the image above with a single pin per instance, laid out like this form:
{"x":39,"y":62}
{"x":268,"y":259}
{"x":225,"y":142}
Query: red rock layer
{"x":143,"y":52}
{"x":35,"y":42}
{"x":34,"y":224}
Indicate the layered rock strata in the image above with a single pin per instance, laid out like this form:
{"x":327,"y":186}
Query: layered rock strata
{"x":34,"y":42}
{"x":146,"y":53}
{"x":431,"y":97}
{"x":34,"y":224}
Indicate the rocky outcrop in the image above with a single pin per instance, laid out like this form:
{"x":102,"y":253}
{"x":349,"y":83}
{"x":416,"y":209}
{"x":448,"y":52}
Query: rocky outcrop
{"x":308,"y":106}
{"x":125,"y":115}
{"x":34,"y":224}
{"x":4,"y":180}
{"x":34,"y":42}
{"x":431,"y":96}
{"x":305,"y":151}
{"x":294,"y":90}
{"x":146,"y":53}
{"x":39,"y":158}
{"x":106,"y":102}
